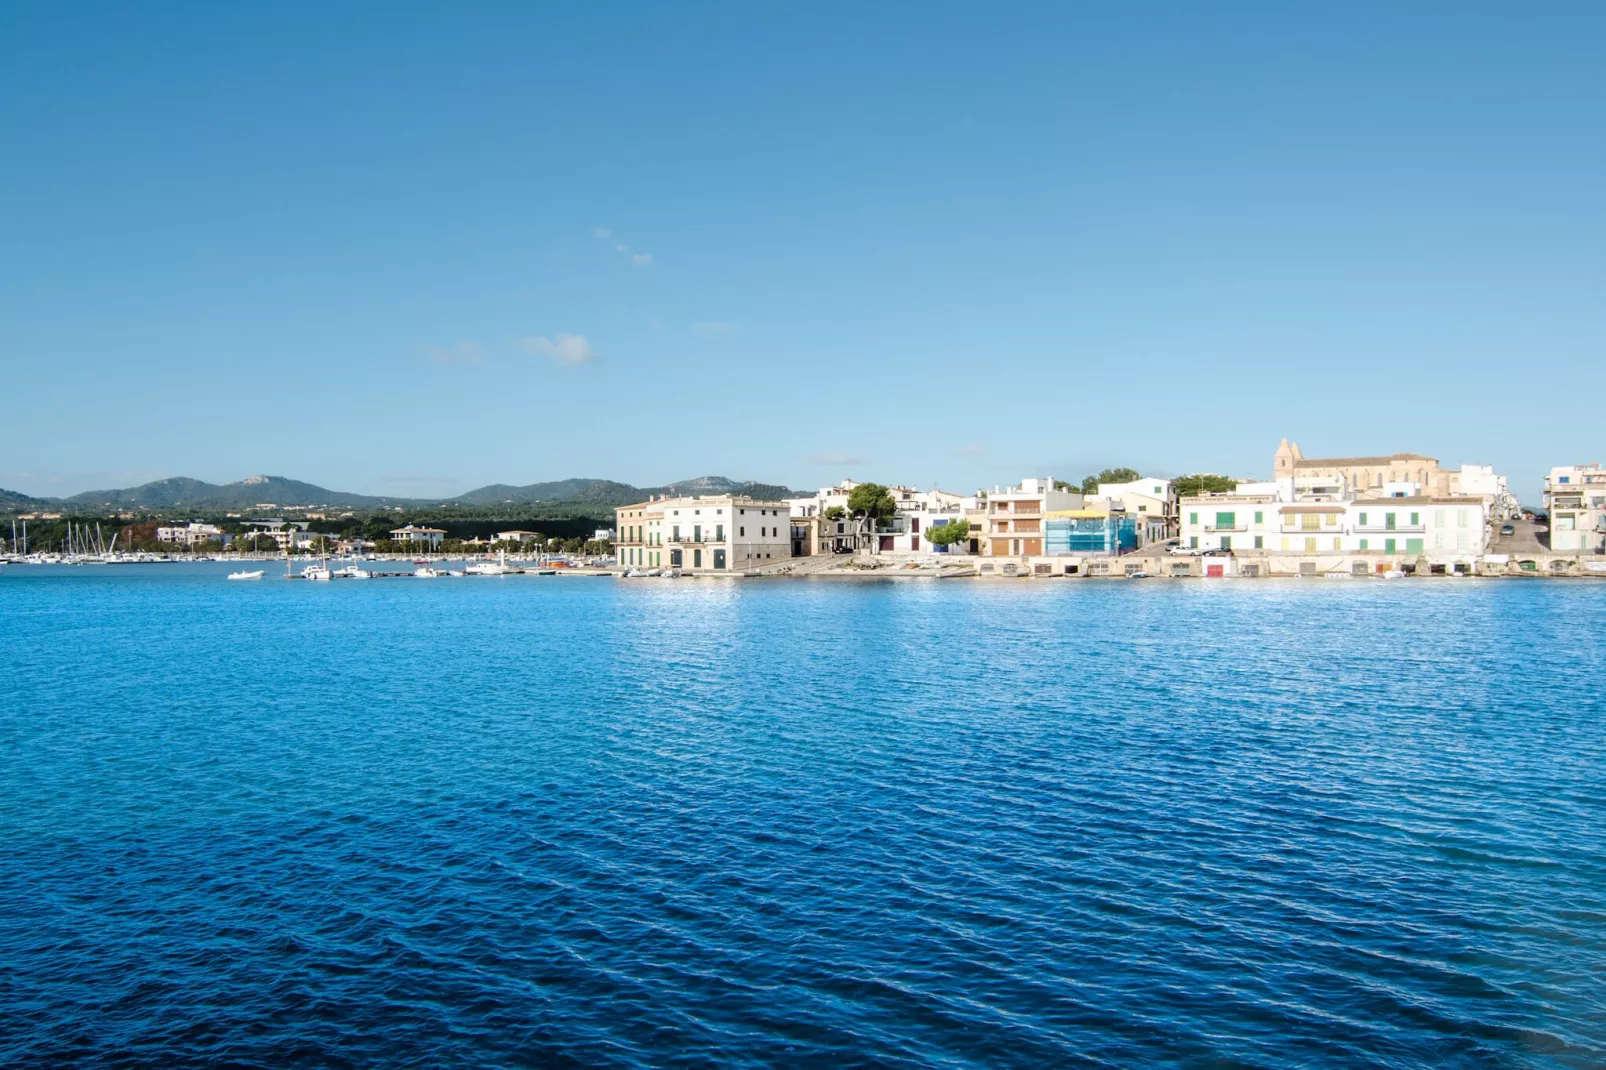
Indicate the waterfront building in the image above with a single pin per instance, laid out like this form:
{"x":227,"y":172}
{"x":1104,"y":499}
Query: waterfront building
{"x":1093,"y":531}
{"x":1151,"y":504}
{"x":190,"y":534}
{"x":518,"y":536}
{"x":639,"y":528}
{"x":1014,"y":516}
{"x":717,"y":533}
{"x":1575,"y":499}
{"x":1320,"y":517}
{"x":413,"y":535}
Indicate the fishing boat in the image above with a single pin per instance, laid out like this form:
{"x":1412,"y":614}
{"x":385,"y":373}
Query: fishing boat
{"x":255,"y":574}
{"x":426,"y":573}
{"x":320,"y":573}
{"x":352,"y":572}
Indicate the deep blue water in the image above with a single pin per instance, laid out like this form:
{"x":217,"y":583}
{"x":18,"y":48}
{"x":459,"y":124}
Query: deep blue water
{"x":550,"y":821}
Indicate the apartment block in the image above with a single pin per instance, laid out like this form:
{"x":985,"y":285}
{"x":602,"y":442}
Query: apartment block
{"x":1575,"y":498}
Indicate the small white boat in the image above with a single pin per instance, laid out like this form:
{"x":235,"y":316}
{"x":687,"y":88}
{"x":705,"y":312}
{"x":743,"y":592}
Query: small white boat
{"x":319,"y":573}
{"x":352,"y":572}
{"x":426,"y":573}
{"x":486,"y":568}
{"x":256,"y":575}
{"x":1394,"y":574}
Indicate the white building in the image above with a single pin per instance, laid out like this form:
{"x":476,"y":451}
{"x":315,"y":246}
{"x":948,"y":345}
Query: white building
{"x":1151,"y":502}
{"x":1311,"y":516}
{"x":718,"y":533}
{"x":191,"y":534}
{"x":1575,"y":498}
{"x":518,"y":535}
{"x":1480,"y":481}
{"x":412,"y":535}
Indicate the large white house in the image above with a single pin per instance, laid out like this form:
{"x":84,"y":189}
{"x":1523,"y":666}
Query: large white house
{"x":191,"y":534}
{"x":713,"y":533}
{"x":1312,"y":516}
{"x":1575,"y":498}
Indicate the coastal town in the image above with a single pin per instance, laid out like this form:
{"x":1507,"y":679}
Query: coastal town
{"x":1388,"y":516}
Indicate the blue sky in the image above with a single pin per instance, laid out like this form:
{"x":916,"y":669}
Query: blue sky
{"x":418,"y":248}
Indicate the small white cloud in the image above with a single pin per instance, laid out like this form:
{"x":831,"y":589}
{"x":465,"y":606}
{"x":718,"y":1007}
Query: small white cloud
{"x":713,"y":328}
{"x":461,"y":353}
{"x":836,"y":458}
{"x":607,"y":235}
{"x":568,"y":349}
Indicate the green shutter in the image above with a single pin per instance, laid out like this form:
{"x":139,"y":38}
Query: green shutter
{"x":1363,"y":520}
{"x":1258,"y":518}
{"x":1193,"y":518}
{"x":1363,"y":541}
{"x":1388,"y":546}
{"x":1413,"y":546}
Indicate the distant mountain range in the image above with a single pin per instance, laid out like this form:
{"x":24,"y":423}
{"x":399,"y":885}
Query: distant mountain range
{"x":278,"y":492}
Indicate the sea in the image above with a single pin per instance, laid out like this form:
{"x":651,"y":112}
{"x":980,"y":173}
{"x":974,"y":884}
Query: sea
{"x":562,"y":821}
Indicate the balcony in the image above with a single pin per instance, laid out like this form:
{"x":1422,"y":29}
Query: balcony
{"x":1386,"y":529}
{"x":1226,"y":527}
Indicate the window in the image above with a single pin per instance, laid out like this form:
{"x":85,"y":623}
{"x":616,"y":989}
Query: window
{"x":719,"y":534}
{"x":1413,"y":546}
{"x":1310,"y":522}
{"x":1388,"y":546}
{"x":1389,"y":521}
{"x":1416,"y":519}
{"x":1260,"y":542}
{"x":696,"y":559}
{"x":1226,"y":520}
{"x":1363,"y":520}
{"x":1226,"y":542}
{"x":1330,"y":519}
{"x":1193,"y":542}
{"x":741,"y":533}
{"x":1565,"y":479}
{"x":1310,"y":544}
{"x":1193,"y":518}
{"x":697,"y":533}
{"x":675,"y":535}
{"x":1260,"y":518}
{"x":1363,"y":544}
{"x":1461,"y":518}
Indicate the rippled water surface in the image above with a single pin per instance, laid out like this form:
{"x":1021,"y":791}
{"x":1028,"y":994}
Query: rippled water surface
{"x":537,"y":821}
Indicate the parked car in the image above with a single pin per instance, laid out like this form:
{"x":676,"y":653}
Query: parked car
{"x":1507,"y":529}
{"x":1183,"y":551}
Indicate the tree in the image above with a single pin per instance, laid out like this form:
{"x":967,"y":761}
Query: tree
{"x":949,"y":534}
{"x":1204,"y":483}
{"x":835,"y":513}
{"x":1090,"y":485}
{"x":870,"y":503}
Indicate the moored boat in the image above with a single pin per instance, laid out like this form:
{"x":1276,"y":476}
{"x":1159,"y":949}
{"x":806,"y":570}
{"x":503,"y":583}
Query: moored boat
{"x":255,"y":574}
